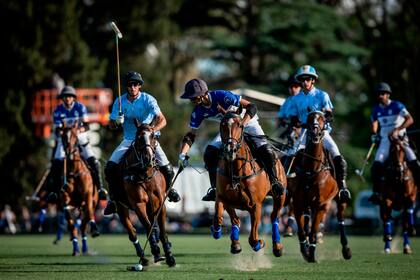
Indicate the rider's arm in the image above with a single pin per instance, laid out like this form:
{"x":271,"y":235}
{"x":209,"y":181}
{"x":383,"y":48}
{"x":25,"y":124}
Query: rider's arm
{"x":374,"y":126}
{"x":251,"y":110}
{"x":160,"y":122}
{"x":188,"y":140}
{"x":408,"y":120}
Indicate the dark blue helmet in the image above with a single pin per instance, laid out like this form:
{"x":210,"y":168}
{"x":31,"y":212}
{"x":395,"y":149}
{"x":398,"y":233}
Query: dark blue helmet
{"x":194,"y":88}
{"x":293,"y":81}
{"x":383,"y":87}
{"x":67,"y":91}
{"x":133,"y":76}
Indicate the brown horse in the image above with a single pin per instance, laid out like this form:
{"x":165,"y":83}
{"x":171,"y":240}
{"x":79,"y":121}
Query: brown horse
{"x":399,"y":193}
{"x":78,"y":196}
{"x":316,"y":187}
{"x":145,"y":191}
{"x":243,"y":184}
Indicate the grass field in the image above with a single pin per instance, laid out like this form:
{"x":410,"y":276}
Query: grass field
{"x":201,"y":257}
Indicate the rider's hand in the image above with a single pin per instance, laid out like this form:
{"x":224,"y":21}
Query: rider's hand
{"x":119,"y":120}
{"x":183,"y":160}
{"x":375,"y":138}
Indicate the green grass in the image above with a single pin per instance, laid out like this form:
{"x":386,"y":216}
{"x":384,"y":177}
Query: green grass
{"x":201,"y":257}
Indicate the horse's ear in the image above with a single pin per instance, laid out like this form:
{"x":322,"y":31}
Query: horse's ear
{"x":137,"y":123}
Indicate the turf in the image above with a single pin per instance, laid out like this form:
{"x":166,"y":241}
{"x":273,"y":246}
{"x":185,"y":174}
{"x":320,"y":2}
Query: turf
{"x":201,"y":257}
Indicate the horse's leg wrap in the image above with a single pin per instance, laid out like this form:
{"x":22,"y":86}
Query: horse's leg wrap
{"x":269,"y":160}
{"x":216,"y":231}
{"x":275,"y":232}
{"x":84,"y":244}
{"x":234,"y":233}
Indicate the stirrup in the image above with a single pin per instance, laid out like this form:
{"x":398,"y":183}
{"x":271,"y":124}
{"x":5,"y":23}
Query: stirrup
{"x":210,"y":196}
{"x":102,"y":194}
{"x":173,"y":196}
{"x":111,"y":208}
{"x":344,"y":195}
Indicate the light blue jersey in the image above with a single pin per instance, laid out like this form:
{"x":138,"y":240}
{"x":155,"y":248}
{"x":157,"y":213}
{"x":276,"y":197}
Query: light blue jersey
{"x":284,"y":111}
{"x":144,"y":108}
{"x":315,"y":100}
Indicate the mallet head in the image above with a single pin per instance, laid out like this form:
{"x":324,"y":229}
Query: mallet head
{"x":116,"y":30}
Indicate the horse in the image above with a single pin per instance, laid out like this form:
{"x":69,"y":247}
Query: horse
{"x":78,"y":196}
{"x":316,"y":188}
{"x":144,"y":191}
{"x":243,"y":184}
{"x":399,"y":193}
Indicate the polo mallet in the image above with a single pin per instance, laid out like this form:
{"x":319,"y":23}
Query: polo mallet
{"x":118,"y":35}
{"x":180,"y":169}
{"x":360,"y":172}
{"x":34,"y":196}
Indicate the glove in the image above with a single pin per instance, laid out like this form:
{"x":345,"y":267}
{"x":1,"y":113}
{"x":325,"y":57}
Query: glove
{"x":183,"y":160}
{"x":119,"y":120}
{"x":375,"y":138}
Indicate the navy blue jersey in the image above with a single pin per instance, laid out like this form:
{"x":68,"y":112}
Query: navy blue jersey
{"x":226,"y":99}
{"x":76,"y":113}
{"x":389,"y":117}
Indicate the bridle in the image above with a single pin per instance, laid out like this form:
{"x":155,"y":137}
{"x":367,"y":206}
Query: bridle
{"x":231,"y":144}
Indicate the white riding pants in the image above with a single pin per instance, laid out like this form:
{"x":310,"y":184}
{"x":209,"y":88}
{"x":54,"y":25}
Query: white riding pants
{"x":383,"y":150}
{"x":86,"y":150}
{"x":125,"y":144}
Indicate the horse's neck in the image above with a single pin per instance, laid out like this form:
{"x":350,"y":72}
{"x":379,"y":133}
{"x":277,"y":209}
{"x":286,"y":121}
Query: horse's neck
{"x":315,"y":156}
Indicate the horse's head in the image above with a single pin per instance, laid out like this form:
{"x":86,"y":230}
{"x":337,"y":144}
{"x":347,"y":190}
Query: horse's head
{"x":315,"y":125}
{"x":231,"y":132}
{"x":144,"y":145}
{"x":69,"y":140}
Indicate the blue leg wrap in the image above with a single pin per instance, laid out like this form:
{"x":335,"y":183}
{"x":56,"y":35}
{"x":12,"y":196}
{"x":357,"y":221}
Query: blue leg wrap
{"x":42,"y":216}
{"x":275,"y":232}
{"x":216,"y":232}
{"x":234,"y":233}
{"x":406,"y":238}
{"x":84,"y":244}
{"x":257,"y":247}
{"x":75,"y":245}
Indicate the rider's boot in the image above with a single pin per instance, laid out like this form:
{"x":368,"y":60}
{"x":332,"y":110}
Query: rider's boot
{"x":378,"y":181}
{"x":56,"y":180}
{"x":415,"y":169}
{"x":112,"y":178}
{"x":168,"y":173}
{"x":269,"y":160}
{"x":95,"y":166}
{"x":211,"y":159}
{"x":340,"y":166}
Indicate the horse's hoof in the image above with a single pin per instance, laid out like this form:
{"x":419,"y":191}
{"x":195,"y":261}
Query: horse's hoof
{"x":311,"y":259}
{"x":278,"y":249}
{"x":56,"y":242}
{"x":95,"y":234}
{"x":75,"y":254}
{"x":170,"y":260}
{"x":346,"y":253}
{"x":235,"y":249}
{"x":407,"y":250}
{"x":144,"y":261}
{"x":259,"y":246}
{"x":387,"y":251}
